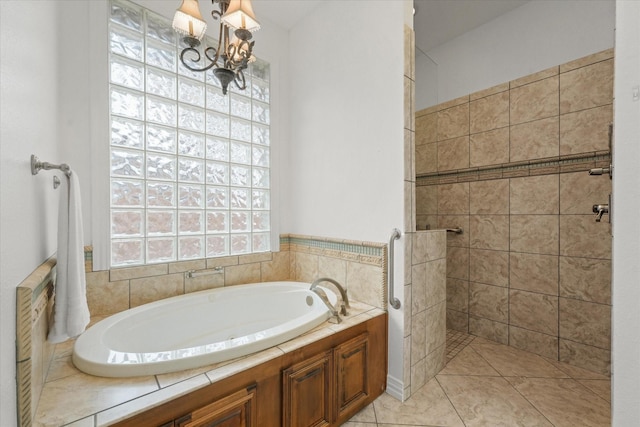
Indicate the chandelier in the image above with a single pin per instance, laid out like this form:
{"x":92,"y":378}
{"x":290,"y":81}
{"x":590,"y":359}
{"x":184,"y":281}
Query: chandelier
{"x":233,"y":54}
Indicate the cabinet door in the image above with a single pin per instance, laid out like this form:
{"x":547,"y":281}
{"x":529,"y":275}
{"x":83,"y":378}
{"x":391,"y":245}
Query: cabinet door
{"x":236,"y":410}
{"x":307,"y":393}
{"x":351,"y":361}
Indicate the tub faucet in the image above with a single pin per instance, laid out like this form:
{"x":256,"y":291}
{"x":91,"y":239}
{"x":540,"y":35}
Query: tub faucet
{"x":344,"y":304}
{"x":325,"y":299}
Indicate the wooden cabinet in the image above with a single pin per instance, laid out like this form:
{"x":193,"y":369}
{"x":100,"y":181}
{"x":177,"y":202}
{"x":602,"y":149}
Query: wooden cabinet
{"x":351,"y":361}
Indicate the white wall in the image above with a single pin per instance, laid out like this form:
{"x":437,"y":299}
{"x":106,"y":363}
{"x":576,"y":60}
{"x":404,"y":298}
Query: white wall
{"x":28,"y":125}
{"x":531,"y":38}
{"x":626,"y":228}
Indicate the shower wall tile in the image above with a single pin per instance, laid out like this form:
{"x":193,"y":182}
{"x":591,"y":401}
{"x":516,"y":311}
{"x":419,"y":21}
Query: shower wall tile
{"x":579,"y":192}
{"x":534,"y":101}
{"x":534,"y":234}
{"x":455,"y":221}
{"x":586,"y":87}
{"x":418,"y":336}
{"x":534,"y":342}
{"x":491,"y":112}
{"x":489,"y":302}
{"x":489,"y":91}
{"x":458,"y":321}
{"x":426,"y":129}
{"x":436,"y":284}
{"x":453,"y":122}
{"x":457,"y":295}
{"x":453,"y":153}
{"x":587,"y":60}
{"x":535,"y":195}
{"x":489,"y":232}
{"x":532,"y":311}
{"x":534,"y":272}
{"x":489,"y":267}
{"x":453,"y":199}
{"x":534,"y":140}
{"x":585,"y":322}
{"x":540,"y":75}
{"x":585,"y":356}
{"x":418,"y":288}
{"x":489,"y":148}
{"x":435,"y":330}
{"x":458,"y":263}
{"x":428,"y":246}
{"x":409,"y":153}
{"x":489,"y":197}
{"x":485,"y":328}
{"x":426,"y":158}
{"x":585,"y":130}
{"x":585,"y":279}
{"x":452,"y":103}
{"x":582,"y":236}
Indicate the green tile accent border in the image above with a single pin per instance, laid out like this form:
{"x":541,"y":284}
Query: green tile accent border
{"x":562,"y":164}
{"x":359,"y":248}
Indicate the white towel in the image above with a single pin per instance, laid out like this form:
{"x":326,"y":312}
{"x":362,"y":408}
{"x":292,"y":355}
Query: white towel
{"x":71,"y":312}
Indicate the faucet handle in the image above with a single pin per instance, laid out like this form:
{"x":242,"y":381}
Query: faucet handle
{"x":600,"y":210}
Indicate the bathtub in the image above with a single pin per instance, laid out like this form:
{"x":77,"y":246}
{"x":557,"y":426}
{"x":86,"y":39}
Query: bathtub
{"x":198,"y":329}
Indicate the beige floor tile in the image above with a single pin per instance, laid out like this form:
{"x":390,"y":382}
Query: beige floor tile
{"x":358,"y":424}
{"x":509,"y":361}
{"x":576,"y":372}
{"x":600,"y":387}
{"x":565,"y":402}
{"x":469,"y":362}
{"x":427,"y":407}
{"x":366,"y":415}
{"x":490,"y":401}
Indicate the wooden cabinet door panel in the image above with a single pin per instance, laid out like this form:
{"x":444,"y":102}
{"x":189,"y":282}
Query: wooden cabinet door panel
{"x":352,"y":367}
{"x":235,"y":410}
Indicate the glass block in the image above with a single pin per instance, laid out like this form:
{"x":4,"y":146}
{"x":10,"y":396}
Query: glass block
{"x":161,"y":139}
{"x":261,"y":242}
{"x":190,"y":196}
{"x":191,"y":92}
{"x":190,"y":222}
{"x":240,"y":221}
{"x":161,"y":83}
{"x":161,"y":55}
{"x":127,"y":223}
{"x":191,"y":118}
{"x":217,"y":149}
{"x":239,"y":198}
{"x":260,"y":178}
{"x":217,"y":246}
{"x":127,"y":14}
{"x":261,"y":113}
{"x":241,"y":130}
{"x":126,"y":73}
{"x":161,"y":222}
{"x":217,"y":124}
{"x":191,"y":144}
{"x":160,"y":28}
{"x":261,"y":221}
{"x":127,"y":252}
{"x":127,"y":163}
{"x":217,"y":173}
{"x":216,"y":100}
{"x":126,"y":43}
{"x":161,"y":111}
{"x":127,"y":193}
{"x":161,"y":250}
{"x":260,"y":90}
{"x":161,"y":194}
{"x":217,"y":222}
{"x":246,"y":91}
{"x":240,"y":106}
{"x":190,"y":170}
{"x":127,"y":133}
{"x":261,"y":199}
{"x":260,"y":135}
{"x":190,"y":247}
{"x":217,"y":197}
{"x":240,"y":153}
{"x":189,"y":57}
{"x":161,"y":167}
{"x":127,"y":103}
{"x":240,"y":244}
{"x":239,"y":176}
{"x":260,"y":155}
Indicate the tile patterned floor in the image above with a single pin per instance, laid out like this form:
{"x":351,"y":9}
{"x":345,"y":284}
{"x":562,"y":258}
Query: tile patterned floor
{"x":490,"y":384}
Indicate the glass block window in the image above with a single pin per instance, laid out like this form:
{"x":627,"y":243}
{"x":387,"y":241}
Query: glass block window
{"x":189,"y":167}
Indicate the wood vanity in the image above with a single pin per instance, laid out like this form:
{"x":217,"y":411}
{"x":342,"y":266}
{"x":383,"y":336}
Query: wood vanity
{"x":323,"y":383}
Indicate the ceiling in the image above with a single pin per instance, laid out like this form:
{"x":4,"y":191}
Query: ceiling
{"x":435,"y":22}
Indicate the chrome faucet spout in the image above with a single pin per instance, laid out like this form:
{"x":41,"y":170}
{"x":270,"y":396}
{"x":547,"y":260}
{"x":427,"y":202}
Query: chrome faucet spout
{"x":325,"y":299}
{"x":343,"y":293}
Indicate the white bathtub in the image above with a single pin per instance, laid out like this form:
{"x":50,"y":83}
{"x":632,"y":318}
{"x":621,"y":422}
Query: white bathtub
{"x":198,"y":329}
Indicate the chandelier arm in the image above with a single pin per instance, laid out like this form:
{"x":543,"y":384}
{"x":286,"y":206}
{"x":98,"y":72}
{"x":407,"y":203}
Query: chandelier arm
{"x":190,"y":49}
{"x":240,"y":76}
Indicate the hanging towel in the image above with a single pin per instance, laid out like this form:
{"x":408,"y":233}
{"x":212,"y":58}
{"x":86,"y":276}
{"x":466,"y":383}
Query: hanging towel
{"x":70,"y":309}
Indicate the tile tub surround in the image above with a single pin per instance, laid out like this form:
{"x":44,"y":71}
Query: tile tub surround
{"x":101,"y":401}
{"x":533,"y":268}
